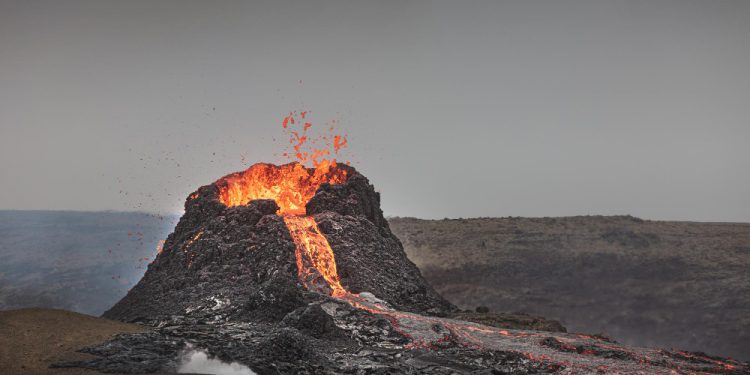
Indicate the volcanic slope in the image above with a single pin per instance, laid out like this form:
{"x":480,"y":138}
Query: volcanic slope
{"x":245,"y":254}
{"x":251,"y":277}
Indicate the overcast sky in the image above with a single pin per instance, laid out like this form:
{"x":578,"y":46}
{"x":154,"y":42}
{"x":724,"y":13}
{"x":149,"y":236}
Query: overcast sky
{"x":461,"y":109}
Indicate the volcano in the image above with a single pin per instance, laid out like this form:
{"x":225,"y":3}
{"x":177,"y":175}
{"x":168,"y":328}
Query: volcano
{"x":279,"y":231}
{"x":289,"y":269}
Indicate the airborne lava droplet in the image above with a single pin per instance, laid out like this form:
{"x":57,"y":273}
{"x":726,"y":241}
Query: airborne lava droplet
{"x":339,"y":143}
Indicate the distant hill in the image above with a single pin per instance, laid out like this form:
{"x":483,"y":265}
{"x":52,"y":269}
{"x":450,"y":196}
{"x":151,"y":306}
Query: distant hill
{"x":651,"y":283}
{"x":80,"y":261}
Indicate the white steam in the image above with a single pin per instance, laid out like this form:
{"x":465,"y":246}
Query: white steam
{"x":197,"y":361}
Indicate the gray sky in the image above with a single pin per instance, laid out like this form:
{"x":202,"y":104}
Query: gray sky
{"x":524,"y":108}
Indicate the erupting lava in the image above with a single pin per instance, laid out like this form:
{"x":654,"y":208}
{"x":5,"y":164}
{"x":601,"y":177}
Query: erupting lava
{"x":292,"y":186}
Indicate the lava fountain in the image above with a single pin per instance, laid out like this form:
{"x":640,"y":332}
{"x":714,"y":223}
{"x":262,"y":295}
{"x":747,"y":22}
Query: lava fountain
{"x":292,"y":186}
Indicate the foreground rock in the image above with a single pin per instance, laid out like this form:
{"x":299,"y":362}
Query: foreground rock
{"x":330,"y":336}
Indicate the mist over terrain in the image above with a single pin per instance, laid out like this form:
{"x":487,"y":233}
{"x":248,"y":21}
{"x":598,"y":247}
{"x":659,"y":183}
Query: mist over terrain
{"x":642,"y":282}
{"x":79,"y":261}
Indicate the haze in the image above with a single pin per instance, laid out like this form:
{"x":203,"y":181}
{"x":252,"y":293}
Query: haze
{"x":462,"y":109}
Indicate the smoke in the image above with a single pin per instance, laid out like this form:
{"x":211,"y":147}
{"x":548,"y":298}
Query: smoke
{"x":197,"y":361}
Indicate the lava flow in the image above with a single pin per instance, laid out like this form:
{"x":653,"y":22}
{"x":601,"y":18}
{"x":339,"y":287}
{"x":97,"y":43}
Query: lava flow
{"x":314,"y":254}
{"x":292,"y":186}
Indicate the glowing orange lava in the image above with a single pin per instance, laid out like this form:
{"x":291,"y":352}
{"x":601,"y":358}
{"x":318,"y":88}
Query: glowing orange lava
{"x":290,"y":185}
{"x":315,"y":257}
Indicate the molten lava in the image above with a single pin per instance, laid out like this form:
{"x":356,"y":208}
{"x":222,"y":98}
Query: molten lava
{"x":290,"y":185}
{"x":314,"y":256}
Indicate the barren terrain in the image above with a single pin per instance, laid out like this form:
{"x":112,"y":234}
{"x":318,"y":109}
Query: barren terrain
{"x":32,"y":339}
{"x":652,"y":283}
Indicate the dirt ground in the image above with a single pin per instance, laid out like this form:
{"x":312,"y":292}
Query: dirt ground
{"x":32,"y":339}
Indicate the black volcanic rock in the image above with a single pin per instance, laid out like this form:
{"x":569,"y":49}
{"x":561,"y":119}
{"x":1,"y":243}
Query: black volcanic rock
{"x":243,"y":257}
{"x":314,"y":321}
{"x":371,"y":259}
{"x":355,"y":197}
{"x":215,"y":258}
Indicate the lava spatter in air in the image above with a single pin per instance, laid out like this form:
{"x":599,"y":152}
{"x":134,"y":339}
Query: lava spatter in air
{"x":311,"y":148}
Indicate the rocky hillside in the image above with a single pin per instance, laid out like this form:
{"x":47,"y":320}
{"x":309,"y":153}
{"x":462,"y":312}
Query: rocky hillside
{"x":653,"y":283}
